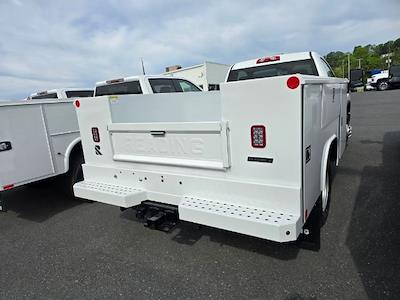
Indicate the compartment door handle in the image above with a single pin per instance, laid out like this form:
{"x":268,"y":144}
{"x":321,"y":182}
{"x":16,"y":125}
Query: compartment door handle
{"x":157,"y":133}
{"x":5,"y":146}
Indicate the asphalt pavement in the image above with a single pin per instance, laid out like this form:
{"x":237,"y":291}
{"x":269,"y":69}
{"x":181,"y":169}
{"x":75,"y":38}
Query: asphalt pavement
{"x":54,"y":247}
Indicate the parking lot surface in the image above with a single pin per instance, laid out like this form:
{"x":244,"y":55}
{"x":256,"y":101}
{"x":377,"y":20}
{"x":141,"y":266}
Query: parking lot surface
{"x":54,"y":247}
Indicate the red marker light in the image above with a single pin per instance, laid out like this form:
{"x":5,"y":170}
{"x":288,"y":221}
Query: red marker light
{"x":258,"y":136}
{"x":268,"y":59}
{"x":95,"y":135}
{"x":77,"y":103}
{"x":8,"y":187}
{"x":293,"y":82}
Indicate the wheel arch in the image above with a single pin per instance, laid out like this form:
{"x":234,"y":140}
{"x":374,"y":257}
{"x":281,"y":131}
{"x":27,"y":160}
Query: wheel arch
{"x":74,"y":147}
{"x":330,"y":147}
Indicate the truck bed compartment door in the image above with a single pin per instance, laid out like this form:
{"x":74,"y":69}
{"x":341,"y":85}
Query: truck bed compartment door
{"x":197,"y":144}
{"x":23,"y":136}
{"x":312,"y":148}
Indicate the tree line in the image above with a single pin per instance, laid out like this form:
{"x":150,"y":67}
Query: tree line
{"x":369,"y":57}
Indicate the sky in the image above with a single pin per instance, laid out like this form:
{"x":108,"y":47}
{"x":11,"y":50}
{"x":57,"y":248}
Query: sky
{"x":48,"y":44}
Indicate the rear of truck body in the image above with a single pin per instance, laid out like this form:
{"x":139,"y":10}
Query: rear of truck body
{"x":36,"y":139}
{"x":251,"y":158}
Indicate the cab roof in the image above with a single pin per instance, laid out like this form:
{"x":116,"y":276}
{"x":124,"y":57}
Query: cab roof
{"x":133,"y":78}
{"x":273,"y":59}
{"x":59,"y":90}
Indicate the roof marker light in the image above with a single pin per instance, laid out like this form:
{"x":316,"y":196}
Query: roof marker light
{"x":77,"y":103}
{"x":112,"y":81}
{"x":293,"y":82}
{"x":268,"y":59}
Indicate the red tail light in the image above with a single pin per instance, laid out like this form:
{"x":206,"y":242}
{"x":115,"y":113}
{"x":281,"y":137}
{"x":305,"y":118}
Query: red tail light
{"x":8,"y":187}
{"x":95,"y":134}
{"x":268,"y":59}
{"x":258,"y":136}
{"x":77,"y":103}
{"x":293,"y":82}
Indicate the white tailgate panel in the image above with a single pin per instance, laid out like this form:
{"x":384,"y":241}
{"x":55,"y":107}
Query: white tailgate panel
{"x":201,"y":145}
{"x":30,"y":157}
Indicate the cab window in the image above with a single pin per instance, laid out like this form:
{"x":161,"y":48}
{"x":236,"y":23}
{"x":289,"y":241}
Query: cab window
{"x":306,"y":67}
{"x":327,"y":68}
{"x":167,"y":85}
{"x":124,"y":88}
{"x":80,"y":94}
{"x":46,"y":96}
{"x":186,"y":86}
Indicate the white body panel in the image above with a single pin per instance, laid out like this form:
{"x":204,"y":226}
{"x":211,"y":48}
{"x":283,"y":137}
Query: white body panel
{"x":203,"y":161}
{"x":42,"y":134}
{"x":203,"y":75}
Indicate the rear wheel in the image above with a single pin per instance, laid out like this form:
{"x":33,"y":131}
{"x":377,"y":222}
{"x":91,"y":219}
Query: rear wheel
{"x":326,"y":191}
{"x":383,"y":85}
{"x":75,"y":174}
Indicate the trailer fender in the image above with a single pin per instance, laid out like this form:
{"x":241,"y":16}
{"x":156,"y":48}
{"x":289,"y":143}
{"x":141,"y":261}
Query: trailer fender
{"x":324,"y":161}
{"x":68,"y":152}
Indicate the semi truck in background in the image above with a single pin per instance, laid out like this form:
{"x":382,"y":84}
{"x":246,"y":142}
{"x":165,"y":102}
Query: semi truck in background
{"x":40,"y":139}
{"x":257,"y":157}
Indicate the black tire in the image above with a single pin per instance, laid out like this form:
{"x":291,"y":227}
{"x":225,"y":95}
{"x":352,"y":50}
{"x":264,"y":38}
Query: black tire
{"x":382,"y":85}
{"x":330,"y":173}
{"x":75,"y":174}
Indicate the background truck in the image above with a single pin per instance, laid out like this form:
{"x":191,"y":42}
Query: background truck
{"x":207,"y":75}
{"x":40,"y":138}
{"x":357,"y":79}
{"x":62,"y":94}
{"x":256,"y":158}
{"x":386,"y":79}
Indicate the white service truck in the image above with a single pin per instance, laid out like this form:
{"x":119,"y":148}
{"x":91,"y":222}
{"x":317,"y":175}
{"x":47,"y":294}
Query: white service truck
{"x":62,"y":94}
{"x":40,"y":138}
{"x":256,"y":158}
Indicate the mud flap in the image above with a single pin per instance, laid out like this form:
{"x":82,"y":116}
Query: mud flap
{"x":311,"y":237}
{"x":3,"y":207}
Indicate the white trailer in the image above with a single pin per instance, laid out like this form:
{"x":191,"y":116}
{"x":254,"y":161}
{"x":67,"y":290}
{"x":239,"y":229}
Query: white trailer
{"x":256,"y":158}
{"x":207,"y":75}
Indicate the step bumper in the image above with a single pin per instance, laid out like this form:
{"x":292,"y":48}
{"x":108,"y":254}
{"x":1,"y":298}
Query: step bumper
{"x":258,"y":222}
{"x":118,"y":195}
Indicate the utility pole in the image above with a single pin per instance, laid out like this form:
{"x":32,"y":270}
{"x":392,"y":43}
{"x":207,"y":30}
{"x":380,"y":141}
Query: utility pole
{"x":359,"y":63}
{"x":348,"y":65}
{"x":343,"y":68}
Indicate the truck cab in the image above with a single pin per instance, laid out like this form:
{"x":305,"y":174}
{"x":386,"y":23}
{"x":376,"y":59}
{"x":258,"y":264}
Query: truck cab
{"x":394,"y":76}
{"x":306,"y":63}
{"x":144,"y":84}
{"x":62,"y":94}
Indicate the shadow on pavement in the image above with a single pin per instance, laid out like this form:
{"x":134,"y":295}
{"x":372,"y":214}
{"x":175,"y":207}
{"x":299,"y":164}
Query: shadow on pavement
{"x":39,"y":202}
{"x":189,"y":234}
{"x":374,"y":231}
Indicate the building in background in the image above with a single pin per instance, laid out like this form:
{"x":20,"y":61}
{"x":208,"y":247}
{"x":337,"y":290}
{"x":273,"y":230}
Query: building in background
{"x":208,"y":75}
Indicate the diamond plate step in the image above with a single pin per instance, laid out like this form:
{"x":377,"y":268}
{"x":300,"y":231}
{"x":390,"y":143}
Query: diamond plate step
{"x":118,"y":195}
{"x":258,"y":222}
